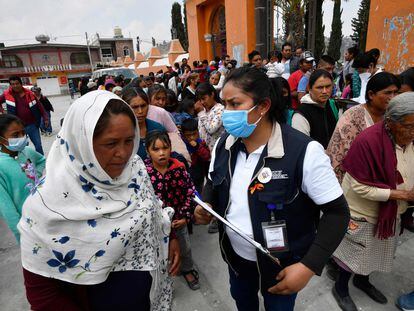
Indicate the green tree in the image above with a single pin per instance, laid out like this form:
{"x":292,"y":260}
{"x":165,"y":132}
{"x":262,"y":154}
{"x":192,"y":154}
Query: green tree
{"x":293,"y":20}
{"x":360,"y":25}
{"x":319,"y":31}
{"x":335,"y":39}
{"x":177,"y":26}
{"x":185,"y":45}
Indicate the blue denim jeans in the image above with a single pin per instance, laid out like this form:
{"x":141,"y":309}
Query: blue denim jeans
{"x":43,"y":128}
{"x":244,"y":289}
{"x":33,"y":131}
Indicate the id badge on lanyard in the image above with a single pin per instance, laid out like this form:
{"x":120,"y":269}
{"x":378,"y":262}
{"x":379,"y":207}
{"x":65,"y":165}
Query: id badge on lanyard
{"x":275,"y":232}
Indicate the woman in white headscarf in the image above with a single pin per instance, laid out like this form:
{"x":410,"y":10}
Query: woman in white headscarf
{"x":95,"y":219}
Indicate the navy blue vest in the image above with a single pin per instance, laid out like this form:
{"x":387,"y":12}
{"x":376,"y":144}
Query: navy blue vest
{"x":298,"y":209}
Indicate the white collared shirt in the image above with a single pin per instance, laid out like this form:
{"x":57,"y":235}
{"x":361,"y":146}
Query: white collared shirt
{"x":319,"y":183}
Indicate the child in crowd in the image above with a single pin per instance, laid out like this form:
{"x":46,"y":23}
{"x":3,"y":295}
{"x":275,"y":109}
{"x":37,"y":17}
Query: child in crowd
{"x":175,"y":188}
{"x":347,"y":93}
{"x":209,"y":111}
{"x":21,"y":169}
{"x":186,"y":111}
{"x":200,"y":154}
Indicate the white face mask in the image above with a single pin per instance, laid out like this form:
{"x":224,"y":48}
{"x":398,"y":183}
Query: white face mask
{"x":16,"y":144}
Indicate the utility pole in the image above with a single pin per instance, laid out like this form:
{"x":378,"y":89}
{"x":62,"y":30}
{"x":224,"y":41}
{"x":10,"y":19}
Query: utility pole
{"x":89,"y":51}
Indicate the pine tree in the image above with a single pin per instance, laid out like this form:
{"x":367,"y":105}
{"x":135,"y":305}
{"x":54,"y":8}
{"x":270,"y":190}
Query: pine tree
{"x":335,"y":40}
{"x":319,"y":31}
{"x":185,"y":43}
{"x":360,"y":25}
{"x":177,"y":26}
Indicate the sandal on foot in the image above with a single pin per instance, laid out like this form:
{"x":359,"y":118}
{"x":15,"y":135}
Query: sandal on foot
{"x":194,"y":285}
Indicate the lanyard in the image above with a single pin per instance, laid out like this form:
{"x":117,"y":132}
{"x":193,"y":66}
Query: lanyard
{"x":272,"y":207}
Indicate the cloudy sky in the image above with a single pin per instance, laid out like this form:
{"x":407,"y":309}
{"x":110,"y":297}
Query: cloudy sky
{"x":66,"y":21}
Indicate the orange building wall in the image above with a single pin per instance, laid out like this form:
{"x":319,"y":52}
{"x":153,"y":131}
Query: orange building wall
{"x":391,"y":29}
{"x":240,"y":27}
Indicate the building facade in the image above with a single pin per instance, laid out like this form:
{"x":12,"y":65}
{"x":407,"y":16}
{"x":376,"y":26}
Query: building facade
{"x":233,"y":27}
{"x":48,"y":65}
{"x":114,"y":50}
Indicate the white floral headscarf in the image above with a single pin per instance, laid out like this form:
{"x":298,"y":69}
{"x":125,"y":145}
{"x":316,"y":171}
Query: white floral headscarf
{"x":80,"y":224}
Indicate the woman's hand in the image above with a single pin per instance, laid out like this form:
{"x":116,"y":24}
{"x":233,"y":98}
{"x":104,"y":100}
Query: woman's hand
{"x":179,"y":223}
{"x":174,"y":257}
{"x":198,"y":107}
{"x":403,"y":195}
{"x":201,"y":216}
{"x":292,"y":279}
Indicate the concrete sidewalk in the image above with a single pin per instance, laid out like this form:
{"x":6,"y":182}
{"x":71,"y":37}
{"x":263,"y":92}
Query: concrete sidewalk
{"x":214,"y":293}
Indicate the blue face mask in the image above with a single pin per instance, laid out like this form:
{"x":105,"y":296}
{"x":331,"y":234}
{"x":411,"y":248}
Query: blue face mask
{"x":236,"y":124}
{"x":17,"y":144}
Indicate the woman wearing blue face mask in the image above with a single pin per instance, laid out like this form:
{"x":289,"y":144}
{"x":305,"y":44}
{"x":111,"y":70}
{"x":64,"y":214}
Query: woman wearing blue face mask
{"x":21,"y":168}
{"x":267,"y":179}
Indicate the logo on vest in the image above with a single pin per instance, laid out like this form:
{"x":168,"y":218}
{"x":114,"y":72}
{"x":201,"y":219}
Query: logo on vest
{"x":279,"y":175}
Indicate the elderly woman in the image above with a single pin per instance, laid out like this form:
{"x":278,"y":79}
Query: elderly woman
{"x":378,"y":183}
{"x":93,"y":233}
{"x":381,"y":88}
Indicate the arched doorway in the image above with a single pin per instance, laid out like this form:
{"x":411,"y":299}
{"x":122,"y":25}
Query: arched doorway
{"x":218,"y":32}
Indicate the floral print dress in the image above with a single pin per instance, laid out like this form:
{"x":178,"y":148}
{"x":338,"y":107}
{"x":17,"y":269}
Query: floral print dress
{"x":175,"y":188}
{"x":210,"y":125}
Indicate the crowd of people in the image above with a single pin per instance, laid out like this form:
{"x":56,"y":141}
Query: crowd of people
{"x":313,"y":161}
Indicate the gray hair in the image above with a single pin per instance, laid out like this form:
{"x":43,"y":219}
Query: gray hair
{"x":400,"y":106}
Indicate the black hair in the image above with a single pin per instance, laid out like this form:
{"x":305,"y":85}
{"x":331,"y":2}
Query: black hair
{"x":300,"y":47}
{"x":186,"y":105}
{"x":279,"y":84}
{"x":318,"y":73}
{"x":348,"y":77}
{"x":113,"y":107}
{"x":286,"y":44}
{"x":15,"y":78}
{"x":109,"y":85}
{"x":361,"y":61}
{"x":6,"y":120}
{"x":254,"y":82}
{"x":253,"y":54}
{"x":205,"y":88}
{"x":381,"y":81}
{"x":276,"y":54}
{"x":205,"y":61}
{"x":153,"y":136}
{"x":172,"y":103}
{"x":101,"y":80}
{"x":189,"y":125}
{"x":155,"y":89}
{"x":354,"y":50}
{"x":195,"y":63}
{"x":119,"y":79}
{"x":132,"y":92}
{"x":327,"y":59}
{"x":407,"y":78}
{"x":374,"y":52}
{"x":135,"y":82}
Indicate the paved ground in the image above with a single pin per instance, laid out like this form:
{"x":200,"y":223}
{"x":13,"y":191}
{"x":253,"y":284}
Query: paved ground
{"x":214,"y":293}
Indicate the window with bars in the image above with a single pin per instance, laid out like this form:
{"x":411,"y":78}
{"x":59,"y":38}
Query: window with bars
{"x":12,"y":61}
